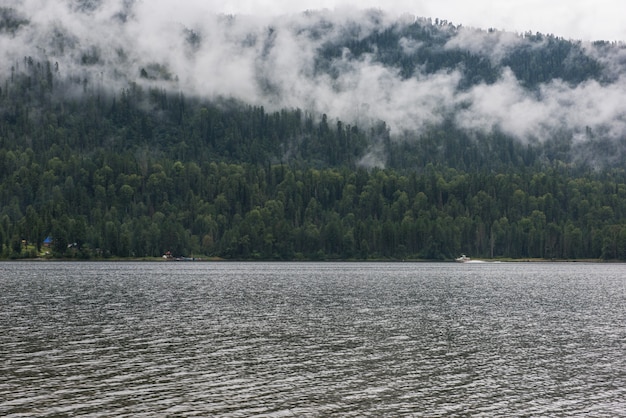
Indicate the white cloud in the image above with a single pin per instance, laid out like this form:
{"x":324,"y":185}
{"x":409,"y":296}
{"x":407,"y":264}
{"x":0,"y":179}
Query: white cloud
{"x":496,"y":44}
{"x":271,"y":60}
{"x":505,"y":105}
{"x":581,"y":19}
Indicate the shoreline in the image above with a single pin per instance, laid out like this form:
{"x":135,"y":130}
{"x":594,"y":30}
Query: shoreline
{"x":221,"y":260}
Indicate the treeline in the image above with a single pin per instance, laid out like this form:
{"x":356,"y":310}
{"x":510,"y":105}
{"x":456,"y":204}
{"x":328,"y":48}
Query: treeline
{"x":57,"y":115}
{"x":142,"y":172}
{"x":109,"y":205}
{"x":49,"y":111}
{"x":534,"y":58}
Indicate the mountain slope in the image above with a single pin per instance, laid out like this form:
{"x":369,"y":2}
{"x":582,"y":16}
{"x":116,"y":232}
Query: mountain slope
{"x":412,"y":73}
{"x":126,"y":133}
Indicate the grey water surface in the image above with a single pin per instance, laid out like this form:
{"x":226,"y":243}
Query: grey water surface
{"x":312,"y":339}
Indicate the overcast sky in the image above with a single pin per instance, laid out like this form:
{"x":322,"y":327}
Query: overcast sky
{"x":575,"y":19}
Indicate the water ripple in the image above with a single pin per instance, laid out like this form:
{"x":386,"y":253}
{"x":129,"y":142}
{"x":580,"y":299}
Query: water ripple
{"x":285,"y":340}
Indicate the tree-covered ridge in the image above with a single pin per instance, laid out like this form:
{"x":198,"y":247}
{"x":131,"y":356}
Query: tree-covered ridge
{"x":52,"y":115}
{"x":55,"y":115}
{"x":112,"y":204}
{"x":143,"y":172}
{"x":415,"y":74}
{"x":445,"y":140}
{"x":426,"y":46}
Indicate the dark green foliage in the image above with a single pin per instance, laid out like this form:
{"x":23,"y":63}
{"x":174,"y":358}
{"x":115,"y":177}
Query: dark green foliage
{"x":536,"y":58}
{"x":145,"y":171}
{"x":547,"y":57}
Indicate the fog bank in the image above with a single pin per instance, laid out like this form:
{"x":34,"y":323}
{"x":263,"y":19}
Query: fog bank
{"x":273,"y":60}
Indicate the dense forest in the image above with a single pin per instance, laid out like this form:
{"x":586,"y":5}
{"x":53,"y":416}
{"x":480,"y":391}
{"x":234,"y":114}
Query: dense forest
{"x":89,"y":171}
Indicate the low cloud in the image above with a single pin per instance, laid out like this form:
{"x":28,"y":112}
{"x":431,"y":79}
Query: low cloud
{"x":493,"y":44}
{"x":273,"y":61}
{"x":555,"y":107}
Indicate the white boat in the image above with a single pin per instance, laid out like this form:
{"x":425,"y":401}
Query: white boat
{"x":463,"y":259}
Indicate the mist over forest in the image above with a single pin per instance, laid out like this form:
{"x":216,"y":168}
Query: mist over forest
{"x":362,"y":67}
{"x":221,"y":110}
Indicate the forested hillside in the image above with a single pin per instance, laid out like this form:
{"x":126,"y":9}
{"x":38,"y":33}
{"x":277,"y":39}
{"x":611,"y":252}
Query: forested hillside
{"x":408,"y":139}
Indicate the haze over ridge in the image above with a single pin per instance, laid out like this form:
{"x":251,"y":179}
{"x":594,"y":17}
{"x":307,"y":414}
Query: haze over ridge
{"x":273,"y":60}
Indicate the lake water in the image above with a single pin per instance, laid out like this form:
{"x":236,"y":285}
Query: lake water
{"x":312,"y":339}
